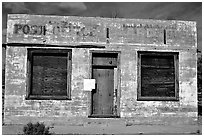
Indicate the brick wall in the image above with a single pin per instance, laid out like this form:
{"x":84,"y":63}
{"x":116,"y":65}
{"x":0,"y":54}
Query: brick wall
{"x":125,"y":35}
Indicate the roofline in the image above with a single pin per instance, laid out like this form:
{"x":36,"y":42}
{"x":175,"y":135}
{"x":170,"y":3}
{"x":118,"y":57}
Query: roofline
{"x":129,"y":19}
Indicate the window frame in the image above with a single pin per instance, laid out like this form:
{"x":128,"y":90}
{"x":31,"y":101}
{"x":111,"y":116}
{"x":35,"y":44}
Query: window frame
{"x":30,"y":52}
{"x":139,"y":81}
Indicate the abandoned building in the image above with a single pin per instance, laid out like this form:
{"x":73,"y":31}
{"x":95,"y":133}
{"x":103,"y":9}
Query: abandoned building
{"x":66,"y":68}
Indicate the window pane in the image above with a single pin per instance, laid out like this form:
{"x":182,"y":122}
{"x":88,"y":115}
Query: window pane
{"x":157,"y":76}
{"x":49,"y":74}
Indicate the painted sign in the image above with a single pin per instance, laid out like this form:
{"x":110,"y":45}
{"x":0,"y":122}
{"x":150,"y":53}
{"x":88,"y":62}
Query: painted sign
{"x":65,"y":30}
{"x":46,"y":30}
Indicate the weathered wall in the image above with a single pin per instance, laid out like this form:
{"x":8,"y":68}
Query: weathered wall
{"x":187,"y":104}
{"x":15,"y":102}
{"x":125,"y":35}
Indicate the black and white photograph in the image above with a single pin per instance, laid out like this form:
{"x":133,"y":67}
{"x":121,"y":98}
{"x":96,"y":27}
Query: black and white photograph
{"x":101,"y":68}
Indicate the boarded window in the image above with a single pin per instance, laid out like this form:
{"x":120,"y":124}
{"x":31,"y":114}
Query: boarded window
{"x":50,"y":73}
{"x":157,"y":76}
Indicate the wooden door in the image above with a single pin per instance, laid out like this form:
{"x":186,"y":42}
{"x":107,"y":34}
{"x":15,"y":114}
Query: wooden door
{"x":103,"y":65}
{"x":103,"y":95}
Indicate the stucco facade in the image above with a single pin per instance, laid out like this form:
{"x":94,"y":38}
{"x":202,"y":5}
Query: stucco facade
{"x":86,"y":34}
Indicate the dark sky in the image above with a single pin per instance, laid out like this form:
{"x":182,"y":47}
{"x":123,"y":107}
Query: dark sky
{"x":139,"y":10}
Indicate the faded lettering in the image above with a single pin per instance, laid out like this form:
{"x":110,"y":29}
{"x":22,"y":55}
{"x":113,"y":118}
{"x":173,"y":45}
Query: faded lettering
{"x":29,"y":29}
{"x":156,"y":26}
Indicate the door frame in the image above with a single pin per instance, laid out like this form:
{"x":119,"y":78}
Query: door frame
{"x":117,"y":115}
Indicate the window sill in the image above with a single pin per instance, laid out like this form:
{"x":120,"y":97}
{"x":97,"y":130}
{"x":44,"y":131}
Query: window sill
{"x":32,"y":97}
{"x":157,"y":99}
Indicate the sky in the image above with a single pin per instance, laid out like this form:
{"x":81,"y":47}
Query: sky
{"x":137,"y":10}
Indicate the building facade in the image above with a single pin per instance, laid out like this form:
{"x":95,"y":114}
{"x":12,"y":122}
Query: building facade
{"x":141,"y":69}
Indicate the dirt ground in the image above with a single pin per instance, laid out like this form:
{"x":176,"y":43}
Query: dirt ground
{"x":113,"y":130}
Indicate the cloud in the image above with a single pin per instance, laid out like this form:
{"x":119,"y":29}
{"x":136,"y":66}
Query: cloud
{"x":73,"y":5}
{"x":56,"y":8}
{"x":16,"y":7}
{"x":59,"y":8}
{"x":102,"y":9}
